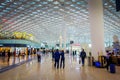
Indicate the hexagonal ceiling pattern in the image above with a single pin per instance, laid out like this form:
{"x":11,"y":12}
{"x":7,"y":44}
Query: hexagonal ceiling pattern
{"x":47,"y":20}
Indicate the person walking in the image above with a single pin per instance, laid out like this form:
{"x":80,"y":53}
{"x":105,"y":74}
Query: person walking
{"x":39,"y":55}
{"x":83,"y":56}
{"x":62,"y":59}
{"x":9,"y":55}
{"x":109,"y":60}
{"x":53,"y":54}
{"x":57,"y":57}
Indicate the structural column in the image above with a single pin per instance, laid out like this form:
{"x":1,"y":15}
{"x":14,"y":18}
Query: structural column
{"x":65,"y":38}
{"x":61,"y":41}
{"x":96,"y":20}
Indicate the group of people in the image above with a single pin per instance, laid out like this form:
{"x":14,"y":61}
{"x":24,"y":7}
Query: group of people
{"x":6,"y":53}
{"x":59,"y":58}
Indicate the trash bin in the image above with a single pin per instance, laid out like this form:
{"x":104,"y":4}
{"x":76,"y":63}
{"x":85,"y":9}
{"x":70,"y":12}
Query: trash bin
{"x":90,"y":61}
{"x":102,"y":60}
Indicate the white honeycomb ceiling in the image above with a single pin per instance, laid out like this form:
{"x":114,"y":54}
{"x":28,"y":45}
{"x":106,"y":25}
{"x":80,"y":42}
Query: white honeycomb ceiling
{"x":47,"y":20}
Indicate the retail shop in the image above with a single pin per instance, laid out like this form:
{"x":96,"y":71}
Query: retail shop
{"x":18,"y":47}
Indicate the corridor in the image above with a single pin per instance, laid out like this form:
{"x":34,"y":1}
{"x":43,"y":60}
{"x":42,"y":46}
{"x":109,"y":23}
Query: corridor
{"x":45,"y":70}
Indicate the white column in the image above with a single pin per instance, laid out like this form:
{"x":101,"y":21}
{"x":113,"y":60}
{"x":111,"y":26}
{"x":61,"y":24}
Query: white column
{"x":95,"y":8}
{"x":61,"y":41}
{"x":64,"y":38}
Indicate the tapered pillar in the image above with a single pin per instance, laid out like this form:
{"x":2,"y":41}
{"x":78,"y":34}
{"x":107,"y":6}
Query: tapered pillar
{"x":61,"y":41}
{"x":65,"y":39}
{"x":95,"y":8}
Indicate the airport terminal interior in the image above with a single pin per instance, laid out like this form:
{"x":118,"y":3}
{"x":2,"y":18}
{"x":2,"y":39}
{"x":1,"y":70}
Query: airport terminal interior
{"x":59,"y":39}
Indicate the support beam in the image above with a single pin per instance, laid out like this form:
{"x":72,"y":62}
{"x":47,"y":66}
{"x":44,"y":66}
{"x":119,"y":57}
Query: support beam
{"x":95,"y":8}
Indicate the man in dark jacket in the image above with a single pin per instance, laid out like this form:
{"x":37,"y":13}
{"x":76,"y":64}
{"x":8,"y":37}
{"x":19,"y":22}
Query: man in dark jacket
{"x":83,"y":56}
{"x":57,"y":57}
{"x":62,"y":59}
{"x":109,"y":60}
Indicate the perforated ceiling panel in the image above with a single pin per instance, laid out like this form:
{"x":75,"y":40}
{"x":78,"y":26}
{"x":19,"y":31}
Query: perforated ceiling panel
{"x":47,"y":20}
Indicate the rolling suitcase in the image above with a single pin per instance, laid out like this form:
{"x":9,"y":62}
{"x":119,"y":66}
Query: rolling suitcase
{"x":112,"y":68}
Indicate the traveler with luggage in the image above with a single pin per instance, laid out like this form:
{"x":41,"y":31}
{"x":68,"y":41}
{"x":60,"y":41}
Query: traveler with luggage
{"x":83,"y":56}
{"x":110,"y":64}
{"x":39,"y":55}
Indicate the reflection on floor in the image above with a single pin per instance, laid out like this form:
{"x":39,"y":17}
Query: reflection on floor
{"x":46,"y":71}
{"x":13,"y":60}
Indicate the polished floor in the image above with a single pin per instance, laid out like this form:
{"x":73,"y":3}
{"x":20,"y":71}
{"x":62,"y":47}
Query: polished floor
{"x":45,"y":71}
{"x":13,"y":60}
